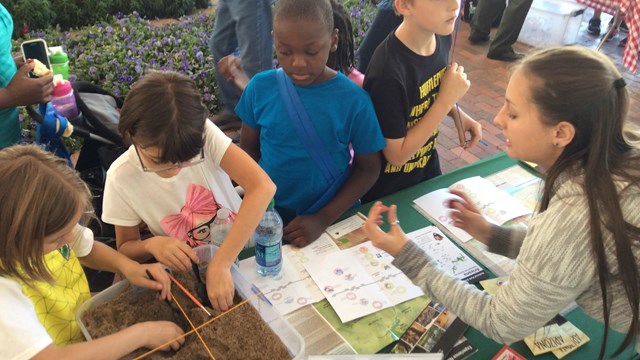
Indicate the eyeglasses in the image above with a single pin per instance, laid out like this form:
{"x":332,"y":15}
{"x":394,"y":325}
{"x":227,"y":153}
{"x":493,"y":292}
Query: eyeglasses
{"x":179,"y":165}
{"x":201,"y":232}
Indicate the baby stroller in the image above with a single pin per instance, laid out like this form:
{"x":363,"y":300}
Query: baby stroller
{"x":97,"y":124}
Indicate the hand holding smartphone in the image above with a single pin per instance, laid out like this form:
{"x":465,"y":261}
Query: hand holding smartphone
{"x":36,"y":49}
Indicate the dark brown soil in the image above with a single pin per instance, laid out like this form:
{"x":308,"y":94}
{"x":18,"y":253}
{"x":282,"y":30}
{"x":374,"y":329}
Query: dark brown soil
{"x":240,"y":334}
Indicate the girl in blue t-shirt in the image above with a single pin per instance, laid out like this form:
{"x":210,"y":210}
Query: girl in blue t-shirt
{"x":339,"y":112}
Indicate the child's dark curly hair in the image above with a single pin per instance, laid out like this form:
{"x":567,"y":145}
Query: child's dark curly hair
{"x":343,"y":58}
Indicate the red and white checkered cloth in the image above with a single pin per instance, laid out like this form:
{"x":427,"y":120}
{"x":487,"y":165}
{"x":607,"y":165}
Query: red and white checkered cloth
{"x":631,"y":11}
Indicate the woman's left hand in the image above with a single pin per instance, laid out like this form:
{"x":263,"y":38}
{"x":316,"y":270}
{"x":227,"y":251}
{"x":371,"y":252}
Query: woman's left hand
{"x":137,"y":275}
{"x":394,"y":240}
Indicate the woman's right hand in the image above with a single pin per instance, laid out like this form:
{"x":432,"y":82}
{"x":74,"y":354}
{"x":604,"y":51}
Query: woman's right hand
{"x":467,"y":216}
{"x":171,"y":252}
{"x":391,"y":242}
{"x":157,"y":333}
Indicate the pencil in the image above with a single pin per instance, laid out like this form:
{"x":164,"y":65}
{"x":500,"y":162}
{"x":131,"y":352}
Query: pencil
{"x":461,"y":133}
{"x":188,"y":294}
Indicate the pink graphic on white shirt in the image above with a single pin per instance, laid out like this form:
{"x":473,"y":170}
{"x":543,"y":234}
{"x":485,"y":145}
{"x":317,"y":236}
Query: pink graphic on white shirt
{"x":192,"y":223}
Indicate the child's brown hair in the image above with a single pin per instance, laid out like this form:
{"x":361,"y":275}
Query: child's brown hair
{"x":165,"y":110}
{"x":40,"y":195}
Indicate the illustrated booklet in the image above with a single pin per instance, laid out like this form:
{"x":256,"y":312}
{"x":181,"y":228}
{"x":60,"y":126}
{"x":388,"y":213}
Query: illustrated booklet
{"x":495,"y":205}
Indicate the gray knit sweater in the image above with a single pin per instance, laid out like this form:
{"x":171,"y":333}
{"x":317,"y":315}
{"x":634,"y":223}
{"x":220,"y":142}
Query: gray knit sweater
{"x":554,"y":267}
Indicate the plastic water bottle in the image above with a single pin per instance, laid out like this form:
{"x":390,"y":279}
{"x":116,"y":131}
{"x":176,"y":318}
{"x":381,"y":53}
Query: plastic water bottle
{"x":268,"y":239}
{"x":220,"y":227}
{"x":59,"y":61}
{"x":62,"y":99}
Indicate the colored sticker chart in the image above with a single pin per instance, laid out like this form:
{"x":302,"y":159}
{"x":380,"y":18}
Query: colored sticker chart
{"x":293,"y":287}
{"x":350,"y":289}
{"x":377,"y":263}
{"x":495,"y":205}
{"x":348,"y":232}
{"x":448,"y":256}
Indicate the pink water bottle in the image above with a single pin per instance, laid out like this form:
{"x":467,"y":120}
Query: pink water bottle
{"x":62,"y":99}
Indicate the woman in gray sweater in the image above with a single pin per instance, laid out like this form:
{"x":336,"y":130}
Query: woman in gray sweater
{"x":565,"y":110}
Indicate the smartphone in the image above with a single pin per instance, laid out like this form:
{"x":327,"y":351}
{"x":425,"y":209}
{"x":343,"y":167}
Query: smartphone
{"x":36,"y":49}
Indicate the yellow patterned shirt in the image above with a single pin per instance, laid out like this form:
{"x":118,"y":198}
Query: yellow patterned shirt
{"x":56,"y":303}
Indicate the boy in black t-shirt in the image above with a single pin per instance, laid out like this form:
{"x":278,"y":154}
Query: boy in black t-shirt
{"x":413,"y":88}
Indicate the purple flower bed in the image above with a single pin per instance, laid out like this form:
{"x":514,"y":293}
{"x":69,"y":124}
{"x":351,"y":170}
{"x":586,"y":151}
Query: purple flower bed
{"x":116,"y":54}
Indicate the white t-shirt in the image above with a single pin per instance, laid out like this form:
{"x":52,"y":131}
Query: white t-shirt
{"x":22,"y":336}
{"x":180,"y":206}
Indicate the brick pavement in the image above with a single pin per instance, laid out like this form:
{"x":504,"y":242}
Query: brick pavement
{"x":488,"y":83}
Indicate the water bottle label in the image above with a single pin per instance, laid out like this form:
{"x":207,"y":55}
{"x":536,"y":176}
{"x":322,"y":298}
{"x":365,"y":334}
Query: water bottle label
{"x":268,"y":256}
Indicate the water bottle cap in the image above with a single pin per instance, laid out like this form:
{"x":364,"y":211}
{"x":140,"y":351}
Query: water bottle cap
{"x":271,"y":204}
{"x":57,"y":55}
{"x":61,"y":87}
{"x":222,"y":214}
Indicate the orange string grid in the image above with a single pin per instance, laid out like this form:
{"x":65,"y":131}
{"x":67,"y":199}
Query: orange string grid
{"x":197,"y":328}
{"x":192,"y":326}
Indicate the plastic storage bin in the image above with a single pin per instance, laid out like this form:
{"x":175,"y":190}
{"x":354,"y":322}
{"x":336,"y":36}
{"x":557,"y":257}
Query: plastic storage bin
{"x":289,"y":336}
{"x":552,"y":23}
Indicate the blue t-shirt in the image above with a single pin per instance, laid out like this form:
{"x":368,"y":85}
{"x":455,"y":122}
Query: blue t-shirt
{"x":9,"y":124}
{"x":342,"y":114}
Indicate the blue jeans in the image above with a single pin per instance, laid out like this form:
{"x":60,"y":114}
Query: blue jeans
{"x":244,"y":25}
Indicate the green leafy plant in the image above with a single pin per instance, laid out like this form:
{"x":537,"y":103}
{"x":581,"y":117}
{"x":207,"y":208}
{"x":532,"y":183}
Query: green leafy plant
{"x":116,"y":53}
{"x":67,"y":13}
{"x":166,"y":8}
{"x":92,"y":11}
{"x":203,"y":4}
{"x":35,"y":14}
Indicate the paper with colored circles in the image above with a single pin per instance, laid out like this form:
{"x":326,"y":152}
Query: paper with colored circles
{"x":293,"y":287}
{"x":360,"y":281}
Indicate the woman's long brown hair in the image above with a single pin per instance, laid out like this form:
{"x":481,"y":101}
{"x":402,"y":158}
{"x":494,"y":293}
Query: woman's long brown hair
{"x":583,"y":87}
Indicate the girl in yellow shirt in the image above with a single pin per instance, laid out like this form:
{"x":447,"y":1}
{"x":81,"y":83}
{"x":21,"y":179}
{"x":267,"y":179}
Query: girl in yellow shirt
{"x":42,"y":248}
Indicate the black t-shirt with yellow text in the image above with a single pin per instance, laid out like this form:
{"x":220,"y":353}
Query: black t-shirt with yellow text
{"x":403,"y":85}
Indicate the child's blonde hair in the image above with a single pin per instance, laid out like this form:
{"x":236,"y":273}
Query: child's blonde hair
{"x":40,"y":195}
{"x":395,"y":8}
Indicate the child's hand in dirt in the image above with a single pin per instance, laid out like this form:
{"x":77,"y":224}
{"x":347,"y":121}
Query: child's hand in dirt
{"x":172,"y":252}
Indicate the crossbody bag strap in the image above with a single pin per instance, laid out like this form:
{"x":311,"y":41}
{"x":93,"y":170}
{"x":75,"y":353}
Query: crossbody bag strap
{"x":303,"y":126}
